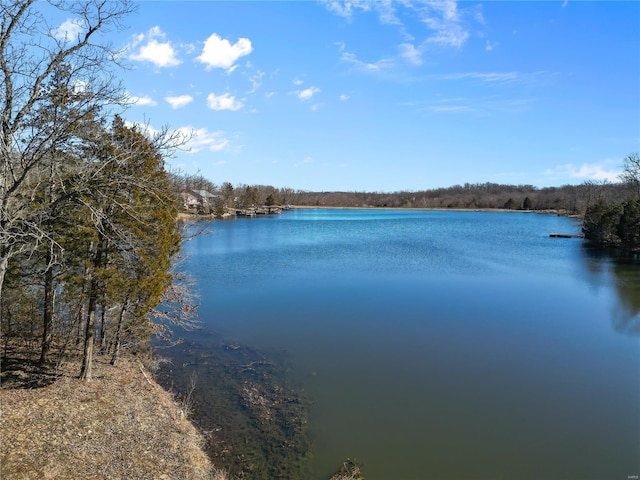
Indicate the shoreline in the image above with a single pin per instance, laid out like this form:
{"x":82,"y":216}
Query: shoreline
{"x":246,"y":401}
{"x":121,"y":424}
{"x":435,"y":209}
{"x":186,"y":216}
{"x":428,"y":209}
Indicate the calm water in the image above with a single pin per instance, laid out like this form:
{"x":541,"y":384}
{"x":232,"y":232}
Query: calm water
{"x":439,"y":345}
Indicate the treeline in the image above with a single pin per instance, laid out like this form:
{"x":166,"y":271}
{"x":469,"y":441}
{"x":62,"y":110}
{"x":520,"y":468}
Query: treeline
{"x":615,"y":223}
{"x":569,"y":198}
{"x":88,"y":219}
{"x":572,"y":199}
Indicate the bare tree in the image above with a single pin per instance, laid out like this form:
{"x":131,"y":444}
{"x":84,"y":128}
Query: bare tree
{"x":31,"y":52}
{"x":631,"y":173}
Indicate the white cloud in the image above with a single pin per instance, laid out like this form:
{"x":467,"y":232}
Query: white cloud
{"x":587,"y":171}
{"x":451,"y":35}
{"x":386,"y":12}
{"x":223,"y":102}
{"x":69,"y":30}
{"x":202,"y":139}
{"x":303,"y":162}
{"x":80,"y":86}
{"x":344,"y":97}
{"x":479,"y":17}
{"x":443,"y":19}
{"x":346,"y":8}
{"x":256,"y":81}
{"x":410,"y":53}
{"x":440,"y":16}
{"x":307,"y":93}
{"x":220,"y":53}
{"x":161,"y":54}
{"x":179,"y":101}
{"x":145,"y":128}
{"x":297,"y":81}
{"x":478,"y":105}
{"x":382,"y":64}
{"x":142,"y":101}
{"x":450,"y":108}
{"x":485,"y":77}
{"x":490,"y":45}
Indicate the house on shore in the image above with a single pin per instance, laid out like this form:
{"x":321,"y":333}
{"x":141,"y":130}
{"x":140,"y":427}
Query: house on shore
{"x":200,"y":200}
{"x":206,"y":198}
{"x":189,"y":201}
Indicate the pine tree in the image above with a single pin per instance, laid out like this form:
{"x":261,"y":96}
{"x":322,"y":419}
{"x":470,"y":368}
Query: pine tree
{"x":134,"y":215}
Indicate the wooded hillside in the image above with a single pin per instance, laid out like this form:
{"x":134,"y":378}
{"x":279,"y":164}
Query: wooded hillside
{"x":88,"y":228}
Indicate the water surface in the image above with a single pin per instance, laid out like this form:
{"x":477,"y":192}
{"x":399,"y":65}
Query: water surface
{"x":438,"y":345}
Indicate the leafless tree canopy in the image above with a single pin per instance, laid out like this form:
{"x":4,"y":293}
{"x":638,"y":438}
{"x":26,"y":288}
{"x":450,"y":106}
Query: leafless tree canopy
{"x":34,"y":55}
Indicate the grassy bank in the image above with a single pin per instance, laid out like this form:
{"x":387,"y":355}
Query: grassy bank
{"x":120,"y":425}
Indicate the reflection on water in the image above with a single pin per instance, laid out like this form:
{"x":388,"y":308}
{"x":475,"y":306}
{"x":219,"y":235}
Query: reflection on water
{"x":623,"y":271}
{"x":440,"y":345}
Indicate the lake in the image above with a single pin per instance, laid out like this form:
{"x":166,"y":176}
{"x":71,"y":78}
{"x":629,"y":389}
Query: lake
{"x":438,"y":344}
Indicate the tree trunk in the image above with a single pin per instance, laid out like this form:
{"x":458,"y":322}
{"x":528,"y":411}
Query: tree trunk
{"x":79,"y":325}
{"x":7,"y":333}
{"x":89,"y":331}
{"x":89,"y":334}
{"x":116,"y":339}
{"x":47,"y":317}
{"x":4,"y":263}
{"x":103,"y":334}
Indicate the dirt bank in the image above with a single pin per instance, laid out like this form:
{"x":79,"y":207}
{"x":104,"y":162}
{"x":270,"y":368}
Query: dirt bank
{"x":120,"y":425}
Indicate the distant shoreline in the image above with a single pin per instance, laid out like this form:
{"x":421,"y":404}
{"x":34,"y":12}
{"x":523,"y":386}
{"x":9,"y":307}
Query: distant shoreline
{"x":416,"y":208}
{"x":194,"y":216}
{"x":559,"y":212}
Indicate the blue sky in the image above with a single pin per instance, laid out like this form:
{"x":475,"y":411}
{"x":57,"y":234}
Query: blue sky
{"x":386,"y":95}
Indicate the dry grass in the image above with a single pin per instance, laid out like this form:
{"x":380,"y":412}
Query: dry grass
{"x":119,"y":425}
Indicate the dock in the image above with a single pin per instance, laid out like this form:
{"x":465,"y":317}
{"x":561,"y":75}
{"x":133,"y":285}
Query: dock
{"x":566,"y":235}
{"x":265,"y":210}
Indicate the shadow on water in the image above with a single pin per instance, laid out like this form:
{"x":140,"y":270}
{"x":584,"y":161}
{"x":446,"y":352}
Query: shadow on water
{"x":625,"y":272}
{"x":253,"y":418}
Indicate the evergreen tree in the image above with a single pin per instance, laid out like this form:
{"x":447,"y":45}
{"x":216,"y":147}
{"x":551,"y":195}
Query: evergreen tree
{"x":629,"y":225}
{"x":600,"y":225}
{"x":134,"y":217}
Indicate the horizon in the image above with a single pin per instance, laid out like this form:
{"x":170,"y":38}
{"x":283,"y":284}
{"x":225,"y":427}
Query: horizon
{"x":386,"y":96}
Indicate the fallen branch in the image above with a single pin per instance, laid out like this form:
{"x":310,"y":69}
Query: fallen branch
{"x":144,"y":374}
